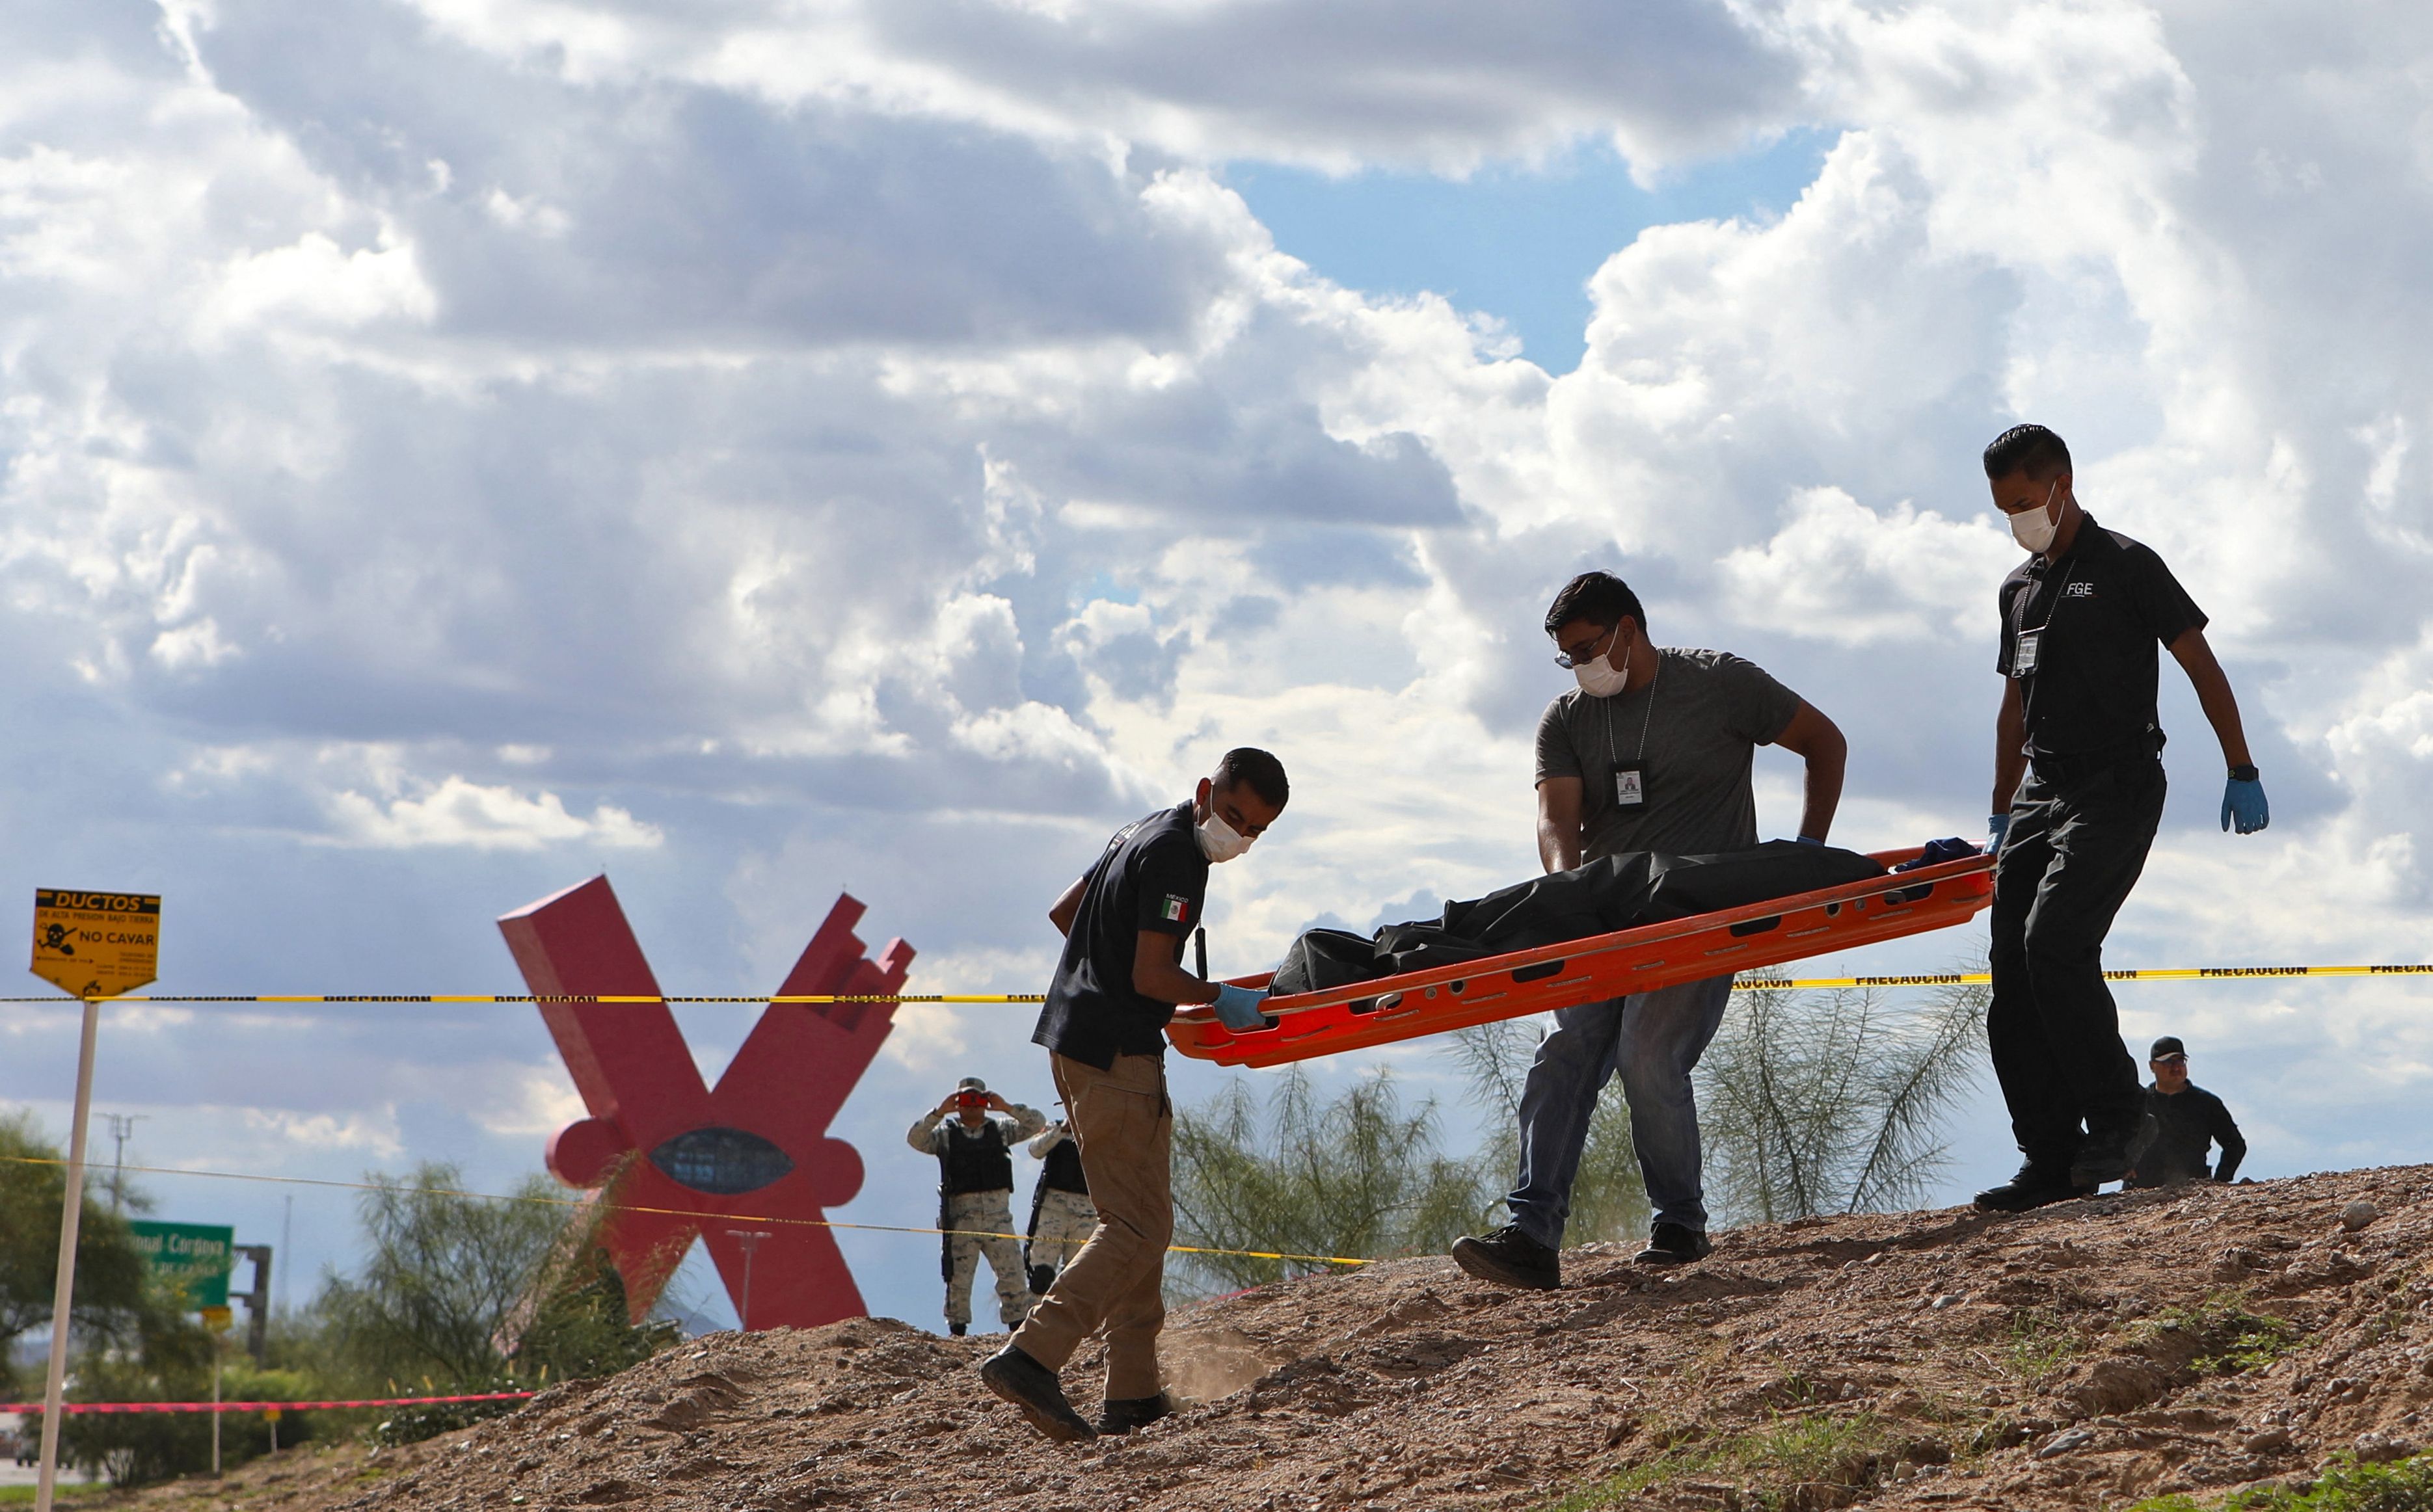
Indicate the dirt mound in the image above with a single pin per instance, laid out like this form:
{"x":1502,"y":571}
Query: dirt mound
{"x":2092,"y":1353}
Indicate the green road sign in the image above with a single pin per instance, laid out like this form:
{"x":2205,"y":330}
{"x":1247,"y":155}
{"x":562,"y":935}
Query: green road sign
{"x":194,"y":1257}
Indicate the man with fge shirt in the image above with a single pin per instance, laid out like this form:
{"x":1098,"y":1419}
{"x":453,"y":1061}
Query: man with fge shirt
{"x":2078,"y":793}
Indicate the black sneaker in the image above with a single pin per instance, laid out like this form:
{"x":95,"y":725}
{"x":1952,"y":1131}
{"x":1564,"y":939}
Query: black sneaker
{"x":1036,"y":1394}
{"x":1510,"y":1258}
{"x":1673,"y":1244}
{"x":1122,"y":1416}
{"x":2035,"y":1186}
{"x":959,"y":1330}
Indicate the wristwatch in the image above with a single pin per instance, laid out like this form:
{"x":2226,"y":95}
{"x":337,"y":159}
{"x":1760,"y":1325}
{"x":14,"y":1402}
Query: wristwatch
{"x":2246,"y":773}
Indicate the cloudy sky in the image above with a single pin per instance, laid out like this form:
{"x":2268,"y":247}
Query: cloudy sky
{"x":451,"y":448}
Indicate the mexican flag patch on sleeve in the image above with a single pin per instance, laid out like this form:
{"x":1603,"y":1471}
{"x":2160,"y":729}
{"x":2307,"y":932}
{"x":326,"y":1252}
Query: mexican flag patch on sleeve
{"x":1177,"y":908}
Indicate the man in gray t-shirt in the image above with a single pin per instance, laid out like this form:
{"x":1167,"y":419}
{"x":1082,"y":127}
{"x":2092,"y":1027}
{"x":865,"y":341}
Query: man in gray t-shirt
{"x":1690,"y":733}
{"x":1651,"y":752}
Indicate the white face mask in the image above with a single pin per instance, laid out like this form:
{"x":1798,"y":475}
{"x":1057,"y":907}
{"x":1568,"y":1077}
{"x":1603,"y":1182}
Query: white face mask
{"x":2034,"y":528}
{"x":1597,"y":677}
{"x":1217,"y":839}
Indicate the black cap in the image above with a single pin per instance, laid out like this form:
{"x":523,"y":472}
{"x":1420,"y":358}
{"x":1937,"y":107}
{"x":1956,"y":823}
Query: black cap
{"x":2167,"y":1048}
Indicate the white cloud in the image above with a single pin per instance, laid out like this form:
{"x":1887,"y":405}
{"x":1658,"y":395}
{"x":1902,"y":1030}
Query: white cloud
{"x":537,"y":1100}
{"x":1838,"y":571}
{"x":316,"y":282}
{"x":927,"y":1037}
{"x":1428,"y":83}
{"x":376,"y":1133}
{"x":458,"y":812}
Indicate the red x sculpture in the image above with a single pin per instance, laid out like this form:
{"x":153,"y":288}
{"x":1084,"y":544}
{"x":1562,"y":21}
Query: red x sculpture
{"x":757,"y":1147}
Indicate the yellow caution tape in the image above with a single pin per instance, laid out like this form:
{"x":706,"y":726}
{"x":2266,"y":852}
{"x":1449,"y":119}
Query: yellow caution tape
{"x":668,"y":1212}
{"x":1745,"y":984}
{"x":2151,"y":974}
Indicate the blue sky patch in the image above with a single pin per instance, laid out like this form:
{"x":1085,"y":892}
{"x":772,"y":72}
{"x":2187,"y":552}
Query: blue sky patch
{"x":1517,"y":243}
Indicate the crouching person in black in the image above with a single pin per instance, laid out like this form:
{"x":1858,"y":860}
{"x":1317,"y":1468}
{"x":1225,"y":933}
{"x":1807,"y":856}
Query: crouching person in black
{"x":2183,"y":1121}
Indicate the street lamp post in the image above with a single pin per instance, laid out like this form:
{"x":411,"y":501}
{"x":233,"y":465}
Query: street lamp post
{"x":750,"y":1239}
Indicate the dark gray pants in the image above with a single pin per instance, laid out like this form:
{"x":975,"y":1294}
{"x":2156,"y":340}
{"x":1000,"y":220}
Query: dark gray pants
{"x":2072,"y":856}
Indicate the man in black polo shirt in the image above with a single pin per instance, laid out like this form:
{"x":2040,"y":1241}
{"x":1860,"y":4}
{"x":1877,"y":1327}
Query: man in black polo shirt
{"x":2078,"y":792}
{"x":1117,"y":985}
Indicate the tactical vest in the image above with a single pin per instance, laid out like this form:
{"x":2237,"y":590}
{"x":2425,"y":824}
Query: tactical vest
{"x":1062,"y":1170}
{"x":975,"y":1161}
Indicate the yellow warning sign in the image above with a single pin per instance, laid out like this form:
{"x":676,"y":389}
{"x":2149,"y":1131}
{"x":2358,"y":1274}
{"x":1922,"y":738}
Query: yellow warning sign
{"x":95,"y":944}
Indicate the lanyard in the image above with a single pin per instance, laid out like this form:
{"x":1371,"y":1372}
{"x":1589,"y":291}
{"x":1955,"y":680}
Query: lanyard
{"x":1612,"y":746}
{"x":2033,"y":639}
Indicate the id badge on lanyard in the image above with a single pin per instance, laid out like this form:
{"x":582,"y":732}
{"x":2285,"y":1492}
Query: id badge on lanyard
{"x":1630,"y":783}
{"x":2028,"y":646}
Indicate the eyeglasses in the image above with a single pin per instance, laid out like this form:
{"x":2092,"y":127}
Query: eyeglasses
{"x":1570,"y":657}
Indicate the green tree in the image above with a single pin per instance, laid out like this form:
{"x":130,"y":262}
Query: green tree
{"x":110,"y":1269}
{"x":443,"y":1276}
{"x":471,"y":1291}
{"x":1358,"y":1176}
{"x":1833,"y":1101}
{"x":1608,"y":1200}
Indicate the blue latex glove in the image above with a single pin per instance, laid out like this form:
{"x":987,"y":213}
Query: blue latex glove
{"x":2243,"y":807}
{"x":1997,"y":825}
{"x":1237,"y":1008}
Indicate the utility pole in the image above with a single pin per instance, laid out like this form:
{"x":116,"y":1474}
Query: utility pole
{"x":286,"y":1233}
{"x":750,"y":1239}
{"x":122,"y":1126}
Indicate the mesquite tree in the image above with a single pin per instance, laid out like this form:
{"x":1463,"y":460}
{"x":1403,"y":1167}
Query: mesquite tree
{"x":1358,"y":1176}
{"x":1808,"y":1102}
{"x":1833,"y":1102}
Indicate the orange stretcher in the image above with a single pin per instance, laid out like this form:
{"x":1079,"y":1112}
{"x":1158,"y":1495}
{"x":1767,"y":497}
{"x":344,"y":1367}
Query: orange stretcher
{"x":1388,"y":1009}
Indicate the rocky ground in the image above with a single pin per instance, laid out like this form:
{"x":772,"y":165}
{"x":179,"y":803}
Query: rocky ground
{"x":2090,"y":1355}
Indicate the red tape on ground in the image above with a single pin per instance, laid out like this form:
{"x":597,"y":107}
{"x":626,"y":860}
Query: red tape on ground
{"x":35,"y":1408}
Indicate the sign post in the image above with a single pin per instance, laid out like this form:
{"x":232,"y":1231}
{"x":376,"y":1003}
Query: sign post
{"x":218,"y":1320}
{"x":96,"y":946}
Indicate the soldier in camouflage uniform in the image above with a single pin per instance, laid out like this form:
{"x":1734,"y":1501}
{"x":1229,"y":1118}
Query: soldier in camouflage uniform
{"x":1061,"y":1218}
{"x":971,"y":1134}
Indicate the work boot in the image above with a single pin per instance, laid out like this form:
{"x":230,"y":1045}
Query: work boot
{"x":1510,"y":1258}
{"x":2035,"y":1186}
{"x":1122,"y":1416}
{"x":2102,"y":1158}
{"x":959,"y":1330}
{"x":1036,"y":1394}
{"x":1673,"y":1244}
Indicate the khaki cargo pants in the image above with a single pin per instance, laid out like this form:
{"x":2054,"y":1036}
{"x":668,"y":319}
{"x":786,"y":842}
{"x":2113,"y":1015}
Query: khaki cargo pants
{"x":1125,"y":1127}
